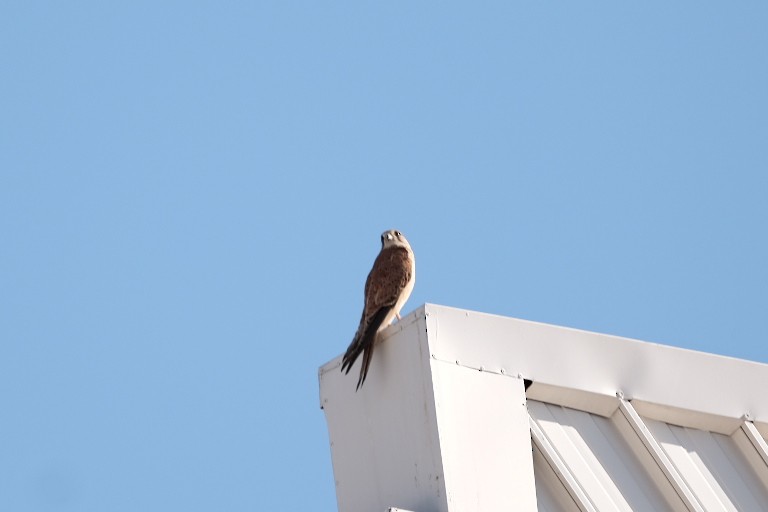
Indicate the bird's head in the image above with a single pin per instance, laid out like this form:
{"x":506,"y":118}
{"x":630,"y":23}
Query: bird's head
{"x":393,"y":238}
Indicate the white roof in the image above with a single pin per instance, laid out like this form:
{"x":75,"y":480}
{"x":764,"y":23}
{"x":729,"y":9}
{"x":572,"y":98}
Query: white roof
{"x":609,"y":424}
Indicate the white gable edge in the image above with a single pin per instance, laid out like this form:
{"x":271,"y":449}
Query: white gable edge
{"x":586,"y":370}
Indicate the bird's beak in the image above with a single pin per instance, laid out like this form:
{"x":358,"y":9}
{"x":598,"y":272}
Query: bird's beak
{"x":389,"y":236}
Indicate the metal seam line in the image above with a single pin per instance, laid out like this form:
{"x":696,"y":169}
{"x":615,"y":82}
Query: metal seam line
{"x":560,"y":468}
{"x":666,"y":466}
{"x":756,"y":439}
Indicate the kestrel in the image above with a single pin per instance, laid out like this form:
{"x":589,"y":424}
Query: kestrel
{"x":389,"y":284}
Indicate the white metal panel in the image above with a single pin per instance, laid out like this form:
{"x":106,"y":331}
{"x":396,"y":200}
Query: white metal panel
{"x":384,"y":440}
{"x":757,"y":441}
{"x":754,"y":448}
{"x":585,"y":362}
{"x":598,"y":457}
{"x":672,"y":476}
{"x":599,"y":463}
{"x":551,"y":494}
{"x":560,"y":468}
{"x":713,"y":467}
{"x":426,"y":435}
{"x":485,"y":440}
{"x":687,"y":417}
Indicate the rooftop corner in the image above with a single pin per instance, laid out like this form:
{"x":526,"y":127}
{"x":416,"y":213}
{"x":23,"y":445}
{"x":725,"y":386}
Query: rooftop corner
{"x":445,"y":423}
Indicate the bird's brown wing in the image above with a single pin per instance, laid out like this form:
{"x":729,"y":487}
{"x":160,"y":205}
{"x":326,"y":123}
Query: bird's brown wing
{"x":386,"y":281}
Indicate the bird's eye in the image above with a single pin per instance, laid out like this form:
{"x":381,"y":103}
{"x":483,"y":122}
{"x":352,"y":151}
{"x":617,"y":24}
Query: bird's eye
{"x":397,"y":233}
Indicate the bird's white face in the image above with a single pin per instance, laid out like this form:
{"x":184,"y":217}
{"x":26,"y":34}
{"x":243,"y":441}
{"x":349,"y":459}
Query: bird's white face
{"x":393,"y":238}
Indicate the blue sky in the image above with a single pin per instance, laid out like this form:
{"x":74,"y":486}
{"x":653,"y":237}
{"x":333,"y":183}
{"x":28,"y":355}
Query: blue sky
{"x":191,"y":196}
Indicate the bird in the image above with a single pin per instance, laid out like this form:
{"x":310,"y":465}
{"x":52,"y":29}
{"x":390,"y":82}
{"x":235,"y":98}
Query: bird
{"x":387,"y":288}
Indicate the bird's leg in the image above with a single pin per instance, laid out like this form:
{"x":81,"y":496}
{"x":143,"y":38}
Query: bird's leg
{"x":398,"y":316}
